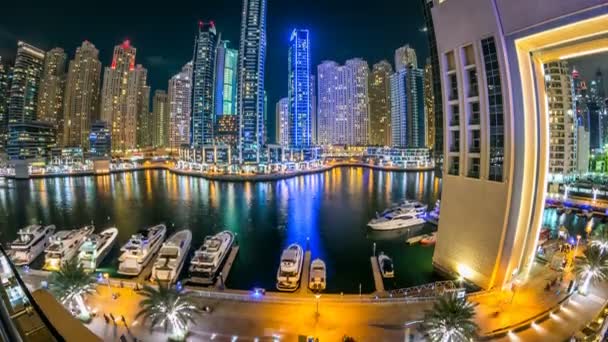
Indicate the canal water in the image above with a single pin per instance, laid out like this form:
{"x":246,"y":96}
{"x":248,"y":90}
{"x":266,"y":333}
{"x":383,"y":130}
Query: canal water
{"x":328,"y":211}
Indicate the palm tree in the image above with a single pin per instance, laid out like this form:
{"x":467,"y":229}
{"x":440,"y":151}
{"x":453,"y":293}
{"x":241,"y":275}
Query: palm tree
{"x":591,"y":267}
{"x":71,"y":283}
{"x":450,"y":320}
{"x":168,"y":307}
{"x":600,"y":240}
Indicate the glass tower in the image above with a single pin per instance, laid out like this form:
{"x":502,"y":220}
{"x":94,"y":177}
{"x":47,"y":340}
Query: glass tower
{"x":299,"y":90}
{"x":252,"y":57}
{"x":225,"y":80}
{"x":26,"y":81}
{"x":202,"y":85}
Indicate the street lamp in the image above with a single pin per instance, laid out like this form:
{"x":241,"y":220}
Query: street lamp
{"x":317,"y":296}
{"x":106,"y":276}
{"x":578,"y":239}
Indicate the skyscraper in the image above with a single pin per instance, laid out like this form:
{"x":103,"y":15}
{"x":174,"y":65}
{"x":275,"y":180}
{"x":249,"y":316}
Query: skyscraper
{"x":50,"y":94}
{"x":138,"y":107}
{"x":429,"y":105}
{"x":404,"y":57}
{"x":300,"y":123}
{"x":180,"y":104}
{"x":203,"y":66}
{"x":115,"y":95}
{"x":562,"y":124}
{"x":313,"y":110}
{"x":282,"y":122}
{"x":160,"y":119}
{"x":6,"y":75}
{"x":252,"y":57}
{"x":380,"y":104}
{"x":25,"y":84}
{"x":81,"y":102}
{"x":226,"y":71}
{"x":407,"y":108}
{"x":343,"y":115}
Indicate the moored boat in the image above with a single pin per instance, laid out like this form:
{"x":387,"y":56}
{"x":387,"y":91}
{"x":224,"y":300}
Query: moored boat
{"x":429,"y":239}
{"x":209,"y":257}
{"x":96,"y":247}
{"x":30,"y":243}
{"x":171,"y":258}
{"x":64,"y":246}
{"x":396,"y":220}
{"x":386,"y":265}
{"x":139,"y":250}
{"x":317,"y":278}
{"x":290,"y":268}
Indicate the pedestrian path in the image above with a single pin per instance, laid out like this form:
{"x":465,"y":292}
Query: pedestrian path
{"x":221,"y":279}
{"x":378,"y":282}
{"x":305,"y":271}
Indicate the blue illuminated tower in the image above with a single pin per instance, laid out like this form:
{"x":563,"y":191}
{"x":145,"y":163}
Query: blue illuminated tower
{"x":203,"y":66}
{"x":252,"y":57}
{"x":300,"y":123}
{"x":225,"y":80}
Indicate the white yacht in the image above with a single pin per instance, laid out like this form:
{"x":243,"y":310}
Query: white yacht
{"x":395,"y":220}
{"x":317,"y":277}
{"x":140,"y":249}
{"x":406,"y":206}
{"x":290,"y":268}
{"x":386,"y":266}
{"x":171,"y":258}
{"x":210,"y":256}
{"x":64,"y":246}
{"x":96,"y":248}
{"x":30,"y":243}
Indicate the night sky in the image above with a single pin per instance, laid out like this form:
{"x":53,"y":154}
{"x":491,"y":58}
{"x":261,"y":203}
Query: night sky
{"x":163,"y":31}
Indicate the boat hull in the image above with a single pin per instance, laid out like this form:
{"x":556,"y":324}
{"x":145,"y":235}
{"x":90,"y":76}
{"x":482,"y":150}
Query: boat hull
{"x":396,"y":225}
{"x":198,"y":276}
{"x":291,"y":284}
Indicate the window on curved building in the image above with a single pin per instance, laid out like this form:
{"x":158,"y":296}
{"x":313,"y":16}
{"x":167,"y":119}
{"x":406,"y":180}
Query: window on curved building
{"x":495,"y":109}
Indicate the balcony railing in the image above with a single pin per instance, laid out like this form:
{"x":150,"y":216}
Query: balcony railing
{"x":475,"y":120}
{"x":475,"y":149}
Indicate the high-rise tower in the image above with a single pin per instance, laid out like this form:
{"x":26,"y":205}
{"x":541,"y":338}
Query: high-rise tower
{"x":282,"y":122}
{"x":252,"y":57}
{"x":380,"y":104}
{"x":404,"y":57}
{"x":25,"y":85}
{"x":180,"y":104}
{"x":50,"y":94}
{"x":160,"y":119}
{"x":203,"y":67}
{"x":300,"y":123}
{"x":226,"y":76}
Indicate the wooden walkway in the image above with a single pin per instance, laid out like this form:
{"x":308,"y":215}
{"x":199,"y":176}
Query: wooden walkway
{"x":377,"y":275}
{"x":227,"y":267}
{"x":305,"y":271}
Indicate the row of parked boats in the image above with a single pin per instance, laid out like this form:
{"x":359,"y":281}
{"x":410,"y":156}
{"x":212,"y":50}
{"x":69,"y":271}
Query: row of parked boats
{"x":140,"y":250}
{"x":289,"y":272}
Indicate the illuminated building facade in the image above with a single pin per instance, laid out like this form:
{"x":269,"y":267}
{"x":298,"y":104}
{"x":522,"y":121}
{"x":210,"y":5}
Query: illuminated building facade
{"x":30,"y":140}
{"x":300,"y":123}
{"x":180,"y":107}
{"x":203,"y":67}
{"x":380,"y":104}
{"x":160,"y":119}
{"x":50,"y":94}
{"x":405,"y":56}
{"x":100,"y":139}
{"x":6,"y":75}
{"x":496,"y":127}
{"x":226,"y":72}
{"x":429,"y":106}
{"x":407,"y":108}
{"x":81,"y":104}
{"x":252,"y":57}
{"x":226,"y":130}
{"x":25,"y":84}
{"x":138,"y":107}
{"x":282,"y":122}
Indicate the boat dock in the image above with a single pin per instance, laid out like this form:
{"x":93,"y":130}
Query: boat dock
{"x":305,"y":273}
{"x":146,"y":272}
{"x":220,"y":282}
{"x":378,"y":282}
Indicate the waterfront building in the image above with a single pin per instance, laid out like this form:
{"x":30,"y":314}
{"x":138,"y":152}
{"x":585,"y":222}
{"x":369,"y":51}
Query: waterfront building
{"x":6,"y":75}
{"x":596,"y":109}
{"x":343,"y":110}
{"x":226,"y":130}
{"x":226,"y":85}
{"x":405,"y":56}
{"x":116,"y":98}
{"x":437,"y":129}
{"x":252,"y":57}
{"x":407,"y":108}
{"x":30,"y":140}
{"x":380,"y":104}
{"x":562,"y":123}
{"x":180,"y":104}
{"x":300,"y":123}
{"x":313,"y":110}
{"x":138,"y":107}
{"x":100,"y":139}
{"x":492,"y":72}
{"x":582,"y":150}
{"x":25,"y":84}
{"x":81,"y":104}
{"x":429,"y":106}
{"x":50,"y":95}
{"x":203,"y":66}
{"x":282,"y":122}
{"x":160,"y":119}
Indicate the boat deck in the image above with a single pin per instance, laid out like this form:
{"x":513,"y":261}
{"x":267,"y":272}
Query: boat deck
{"x":378,"y":282}
{"x":146,"y":272}
{"x":227,"y":267}
{"x":305,"y":272}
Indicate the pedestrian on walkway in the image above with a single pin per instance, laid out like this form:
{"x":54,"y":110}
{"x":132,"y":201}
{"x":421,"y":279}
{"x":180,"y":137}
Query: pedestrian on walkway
{"x":113,"y":319}
{"x":106,"y":318}
{"x":124,"y":321}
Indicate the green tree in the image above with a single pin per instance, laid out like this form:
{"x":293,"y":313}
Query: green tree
{"x":451,"y":319}
{"x":169,"y":308}
{"x":71,"y":284}
{"x":591,"y":267}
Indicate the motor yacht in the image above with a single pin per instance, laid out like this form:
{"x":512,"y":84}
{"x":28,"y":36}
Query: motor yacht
{"x":171,"y":258}
{"x":290,"y":268}
{"x":95,"y":248}
{"x":396,"y":220}
{"x":406,"y":206}
{"x":210,"y":256}
{"x":139,"y":250}
{"x":64,"y":246}
{"x":317,"y":276}
{"x":30,"y":243}
{"x":386,"y":265}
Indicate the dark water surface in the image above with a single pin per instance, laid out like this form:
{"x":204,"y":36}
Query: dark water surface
{"x":330,"y":210}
